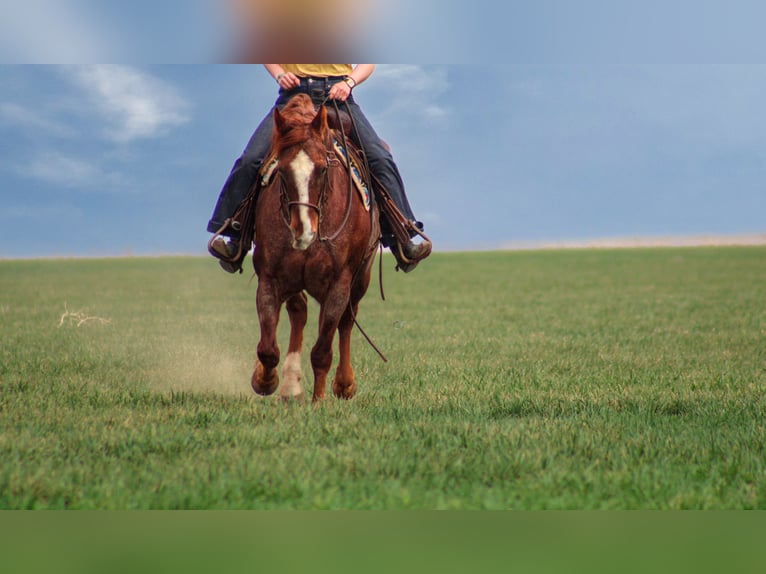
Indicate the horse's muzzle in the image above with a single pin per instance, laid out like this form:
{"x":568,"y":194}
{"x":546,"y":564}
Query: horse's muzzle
{"x":303,"y":224}
{"x":305,"y":240}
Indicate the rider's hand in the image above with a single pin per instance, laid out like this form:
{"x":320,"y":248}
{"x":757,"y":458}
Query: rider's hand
{"x":288,"y":81}
{"x":340,"y":91}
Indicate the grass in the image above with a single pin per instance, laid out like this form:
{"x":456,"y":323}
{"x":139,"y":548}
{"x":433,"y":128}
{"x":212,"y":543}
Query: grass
{"x":625,"y":379}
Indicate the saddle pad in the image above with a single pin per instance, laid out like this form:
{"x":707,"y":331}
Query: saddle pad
{"x":359,"y":183}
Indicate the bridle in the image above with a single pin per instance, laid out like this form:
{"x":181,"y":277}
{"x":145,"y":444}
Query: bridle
{"x":290,"y":204}
{"x":287,"y":204}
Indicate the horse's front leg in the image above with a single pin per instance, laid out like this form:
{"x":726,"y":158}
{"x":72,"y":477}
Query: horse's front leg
{"x":344,"y":384}
{"x":265,"y":379}
{"x":297,"y":310}
{"x":330,"y":314}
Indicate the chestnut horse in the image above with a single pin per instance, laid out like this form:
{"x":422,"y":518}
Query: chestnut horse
{"x":313,"y":235}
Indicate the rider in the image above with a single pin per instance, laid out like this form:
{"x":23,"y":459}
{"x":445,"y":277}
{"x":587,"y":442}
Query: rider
{"x":322,"y":82}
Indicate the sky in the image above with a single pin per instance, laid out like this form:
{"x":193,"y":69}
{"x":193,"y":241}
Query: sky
{"x":126,"y":159}
{"x":605,"y":121}
{"x":459,"y":31}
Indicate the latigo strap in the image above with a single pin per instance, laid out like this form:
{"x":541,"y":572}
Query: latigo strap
{"x":402,"y":228}
{"x":243,"y":223}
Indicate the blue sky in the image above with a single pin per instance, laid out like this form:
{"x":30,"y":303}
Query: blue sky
{"x":129,"y":159}
{"x":589,"y":32}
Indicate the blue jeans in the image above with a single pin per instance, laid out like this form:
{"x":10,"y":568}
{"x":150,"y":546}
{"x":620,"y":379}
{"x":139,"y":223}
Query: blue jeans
{"x":244,"y":174}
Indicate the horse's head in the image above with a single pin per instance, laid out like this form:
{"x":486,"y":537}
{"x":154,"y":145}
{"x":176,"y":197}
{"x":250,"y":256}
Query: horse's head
{"x":301,"y":142}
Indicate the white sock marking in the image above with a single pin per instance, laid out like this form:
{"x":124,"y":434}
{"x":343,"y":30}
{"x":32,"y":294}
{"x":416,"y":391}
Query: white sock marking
{"x":291,"y":376}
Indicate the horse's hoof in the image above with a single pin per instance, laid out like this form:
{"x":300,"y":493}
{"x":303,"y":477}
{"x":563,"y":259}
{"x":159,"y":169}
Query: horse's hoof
{"x":345,"y":392}
{"x":262,"y":384}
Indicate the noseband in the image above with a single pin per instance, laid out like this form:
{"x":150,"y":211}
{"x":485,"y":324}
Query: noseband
{"x":291,"y":204}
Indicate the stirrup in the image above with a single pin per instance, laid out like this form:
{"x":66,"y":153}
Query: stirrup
{"x":236,"y":260}
{"x":405,"y":263}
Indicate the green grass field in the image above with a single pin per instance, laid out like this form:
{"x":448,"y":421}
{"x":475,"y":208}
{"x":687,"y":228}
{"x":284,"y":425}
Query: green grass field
{"x":625,"y":379}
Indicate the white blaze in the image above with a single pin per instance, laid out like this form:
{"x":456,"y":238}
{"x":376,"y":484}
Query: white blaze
{"x":303,"y":167}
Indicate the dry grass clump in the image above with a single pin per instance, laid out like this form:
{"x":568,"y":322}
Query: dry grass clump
{"x":79,"y":318}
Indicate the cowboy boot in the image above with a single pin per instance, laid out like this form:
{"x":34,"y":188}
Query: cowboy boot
{"x":225,"y":251}
{"x":409,"y":254}
{"x":414,"y":252}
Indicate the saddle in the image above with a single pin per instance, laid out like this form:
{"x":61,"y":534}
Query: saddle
{"x":339,"y":120}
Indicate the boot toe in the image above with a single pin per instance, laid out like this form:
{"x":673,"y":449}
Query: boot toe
{"x":417,"y":251}
{"x":225,"y":252}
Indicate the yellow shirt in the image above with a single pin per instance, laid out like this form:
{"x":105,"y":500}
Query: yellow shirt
{"x":318,"y":70}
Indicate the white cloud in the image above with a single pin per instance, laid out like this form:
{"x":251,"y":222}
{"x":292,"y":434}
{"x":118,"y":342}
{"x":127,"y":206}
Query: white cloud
{"x":71,"y":172}
{"x":414,"y":77}
{"x":136,"y":104}
{"x":414,"y":90}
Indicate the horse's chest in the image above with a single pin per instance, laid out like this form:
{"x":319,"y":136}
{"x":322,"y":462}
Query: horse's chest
{"x":310,"y":271}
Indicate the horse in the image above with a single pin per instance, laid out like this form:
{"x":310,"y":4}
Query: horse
{"x":313,"y":234}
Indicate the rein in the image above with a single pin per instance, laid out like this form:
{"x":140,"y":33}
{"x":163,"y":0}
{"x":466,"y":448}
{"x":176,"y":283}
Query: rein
{"x":350,"y":179}
{"x":372,"y":214}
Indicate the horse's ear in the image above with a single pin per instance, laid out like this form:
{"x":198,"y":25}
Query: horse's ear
{"x":279,"y":121}
{"x":319,"y":125}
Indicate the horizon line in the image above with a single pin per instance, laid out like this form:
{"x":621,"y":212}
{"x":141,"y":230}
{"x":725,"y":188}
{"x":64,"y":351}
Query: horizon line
{"x":624,"y":242}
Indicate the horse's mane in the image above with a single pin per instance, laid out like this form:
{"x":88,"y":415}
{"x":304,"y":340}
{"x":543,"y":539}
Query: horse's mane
{"x":295,"y":128}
